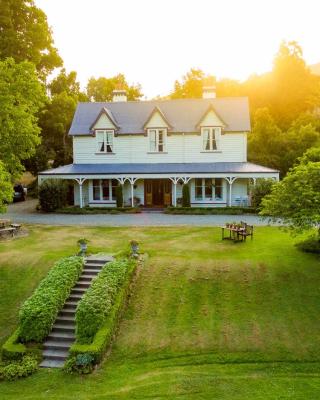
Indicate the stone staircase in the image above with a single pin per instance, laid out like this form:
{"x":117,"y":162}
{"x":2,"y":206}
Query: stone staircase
{"x":57,"y":344}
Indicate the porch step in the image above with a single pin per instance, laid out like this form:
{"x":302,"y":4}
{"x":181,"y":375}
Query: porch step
{"x":56,"y":346}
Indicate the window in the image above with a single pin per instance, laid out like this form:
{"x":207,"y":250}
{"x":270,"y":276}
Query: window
{"x":104,"y":189}
{"x":157,"y":140}
{"x":210,"y":138}
{"x":207,"y":189}
{"x":105,"y":141}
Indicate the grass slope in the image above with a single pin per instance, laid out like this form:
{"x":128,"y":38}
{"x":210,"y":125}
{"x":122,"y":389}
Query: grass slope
{"x":208,"y":319}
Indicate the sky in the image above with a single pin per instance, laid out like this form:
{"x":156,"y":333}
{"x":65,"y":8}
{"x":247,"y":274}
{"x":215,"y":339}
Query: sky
{"x":156,"y":42}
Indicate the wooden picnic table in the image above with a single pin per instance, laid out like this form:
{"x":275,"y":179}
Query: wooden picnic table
{"x":4,"y":223}
{"x":237,"y":233}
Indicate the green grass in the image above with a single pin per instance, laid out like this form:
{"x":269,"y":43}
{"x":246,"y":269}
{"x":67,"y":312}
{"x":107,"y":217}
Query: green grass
{"x":207,"y":319}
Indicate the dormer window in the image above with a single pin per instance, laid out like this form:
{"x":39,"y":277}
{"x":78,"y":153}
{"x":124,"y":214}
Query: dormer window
{"x":210,"y":138}
{"x":104,"y":141}
{"x":157,"y":140}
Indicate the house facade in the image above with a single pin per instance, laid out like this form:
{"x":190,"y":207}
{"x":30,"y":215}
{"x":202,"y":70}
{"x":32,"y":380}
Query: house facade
{"x":152,"y":148}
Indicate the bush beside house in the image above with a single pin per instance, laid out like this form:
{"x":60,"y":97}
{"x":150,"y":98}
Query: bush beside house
{"x":186,"y":196}
{"x":53,"y":194}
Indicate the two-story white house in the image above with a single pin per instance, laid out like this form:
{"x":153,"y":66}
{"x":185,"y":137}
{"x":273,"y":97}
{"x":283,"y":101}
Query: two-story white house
{"x":152,"y":148}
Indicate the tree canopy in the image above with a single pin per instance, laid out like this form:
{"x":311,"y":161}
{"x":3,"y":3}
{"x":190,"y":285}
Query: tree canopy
{"x":101,"y":89}
{"x":6,"y":190}
{"x":21,"y":97}
{"x":26,"y":36}
{"x":296,"y":199}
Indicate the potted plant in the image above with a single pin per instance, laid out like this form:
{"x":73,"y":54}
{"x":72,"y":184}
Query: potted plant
{"x":83,"y":243}
{"x":134,"y":247}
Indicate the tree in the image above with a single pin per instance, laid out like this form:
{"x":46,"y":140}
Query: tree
{"x":101,"y":89}
{"x":21,"y":97}
{"x":296,"y":199}
{"x":67,"y":83}
{"x":265,"y":141}
{"x":185,"y":196}
{"x":191,"y":85}
{"x":6,"y":191}
{"x":26,"y":36}
{"x":260,"y":190}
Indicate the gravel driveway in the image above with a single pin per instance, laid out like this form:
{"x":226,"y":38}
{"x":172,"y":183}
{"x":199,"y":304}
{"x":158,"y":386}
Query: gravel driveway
{"x":24,"y":212}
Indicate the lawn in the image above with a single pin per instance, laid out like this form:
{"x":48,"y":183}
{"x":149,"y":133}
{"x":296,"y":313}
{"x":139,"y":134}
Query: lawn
{"x":207,"y":319}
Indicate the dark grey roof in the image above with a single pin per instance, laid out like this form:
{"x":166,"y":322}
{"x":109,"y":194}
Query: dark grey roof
{"x":164,"y":168}
{"x":183,"y":114}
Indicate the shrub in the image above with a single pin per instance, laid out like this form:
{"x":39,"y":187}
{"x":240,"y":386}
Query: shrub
{"x":19,"y":369}
{"x":119,"y":196}
{"x":12,"y":349}
{"x":52,"y":194}
{"x":310,"y":245}
{"x":39,"y":312}
{"x":260,"y":190}
{"x":185,"y":196}
{"x":81,"y":363}
{"x":95,"y":305}
{"x":211,"y":210}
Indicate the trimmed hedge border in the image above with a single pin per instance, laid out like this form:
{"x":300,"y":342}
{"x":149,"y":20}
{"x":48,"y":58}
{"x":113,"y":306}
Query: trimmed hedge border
{"x":12,"y":349}
{"x":39,"y":312}
{"x":102,"y":339}
{"x":211,"y":210}
{"x":98,"y":210}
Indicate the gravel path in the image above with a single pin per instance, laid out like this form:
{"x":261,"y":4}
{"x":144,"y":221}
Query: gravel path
{"x":24,"y":212}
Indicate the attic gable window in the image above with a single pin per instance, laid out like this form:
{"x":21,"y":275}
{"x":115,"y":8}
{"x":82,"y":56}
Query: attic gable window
{"x":157,"y":140}
{"x":104,"y":141}
{"x":210,"y":138}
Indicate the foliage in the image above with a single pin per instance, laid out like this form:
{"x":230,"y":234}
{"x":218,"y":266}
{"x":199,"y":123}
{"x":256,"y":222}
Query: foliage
{"x":39,"y":312}
{"x":21,"y":97}
{"x":310,"y":245}
{"x":12,"y":349}
{"x":296,"y":199}
{"x":19,"y":369}
{"x":95,"y":305}
{"x":101,"y":89}
{"x":25,"y":35}
{"x":52,"y":194}
{"x":39,"y":161}
{"x":211,"y":210}
{"x":6,"y":190}
{"x":119,"y":196}
{"x":67,"y":83}
{"x":99,"y":210}
{"x":260,"y":190}
{"x":191,"y":85}
{"x":83,"y":241}
{"x":81,"y":363}
{"x":185,"y":196}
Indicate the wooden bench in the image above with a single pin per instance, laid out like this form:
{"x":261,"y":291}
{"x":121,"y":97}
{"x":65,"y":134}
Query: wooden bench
{"x":247,"y":231}
{"x":4,"y":223}
{"x":7,"y":231}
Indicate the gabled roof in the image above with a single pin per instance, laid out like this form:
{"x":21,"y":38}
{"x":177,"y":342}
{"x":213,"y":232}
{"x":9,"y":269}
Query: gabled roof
{"x":183,"y":114}
{"x":109,"y":115}
{"x":155,"y":111}
{"x":211,"y":108}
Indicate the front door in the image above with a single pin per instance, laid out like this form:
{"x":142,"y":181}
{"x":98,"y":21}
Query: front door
{"x":157,"y":192}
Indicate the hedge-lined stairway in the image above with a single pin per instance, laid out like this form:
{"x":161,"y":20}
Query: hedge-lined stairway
{"x":58,"y":342}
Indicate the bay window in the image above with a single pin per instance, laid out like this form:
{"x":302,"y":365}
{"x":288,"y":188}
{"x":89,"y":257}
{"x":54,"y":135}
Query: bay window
{"x":157,"y":140}
{"x":104,"y":141}
{"x":104,"y":189}
{"x":208,"y":189}
{"x":210,"y":137}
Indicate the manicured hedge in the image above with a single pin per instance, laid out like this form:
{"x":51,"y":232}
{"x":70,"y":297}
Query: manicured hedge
{"x":103,"y":336}
{"x":97,"y":302}
{"x":39,"y":312}
{"x":211,"y":210}
{"x":12,"y":349}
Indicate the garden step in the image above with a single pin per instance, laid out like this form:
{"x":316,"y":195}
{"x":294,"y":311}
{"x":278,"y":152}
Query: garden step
{"x":65,"y":318}
{"x":93,"y":265}
{"x":63,"y":328}
{"x":91,"y":271}
{"x":62,"y":336}
{"x":78,"y":290}
{"x":55,"y":354}
{"x":52,"y":363}
{"x":55,"y":344}
{"x":80,"y":285}
{"x":87,"y":277}
{"x":70,"y":305}
{"x":75,"y":297}
{"x":67,"y":313}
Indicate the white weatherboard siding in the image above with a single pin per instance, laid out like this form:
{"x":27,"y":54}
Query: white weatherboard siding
{"x":156,"y":121}
{"x":180,"y":148}
{"x":211,"y":119}
{"x":103,"y":123}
